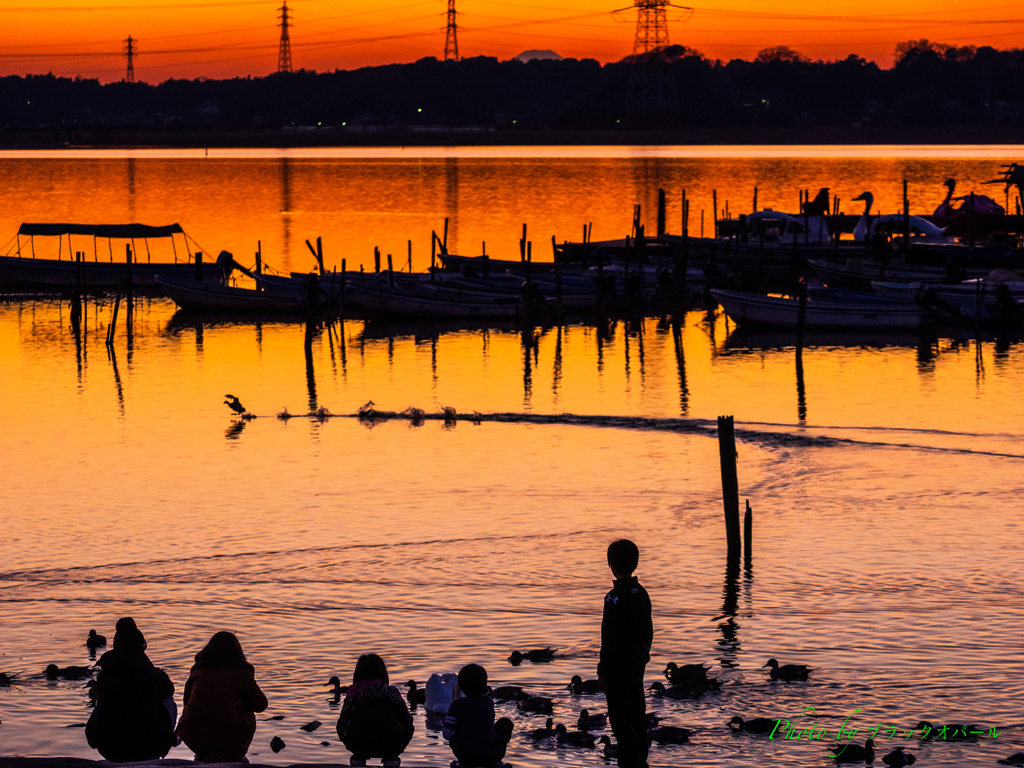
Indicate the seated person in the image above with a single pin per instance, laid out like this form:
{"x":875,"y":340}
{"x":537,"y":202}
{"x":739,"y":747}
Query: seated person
{"x":374,"y":720}
{"x":476,"y":740}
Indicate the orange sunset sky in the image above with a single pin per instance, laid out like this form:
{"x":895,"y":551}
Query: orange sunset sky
{"x":240,"y":37}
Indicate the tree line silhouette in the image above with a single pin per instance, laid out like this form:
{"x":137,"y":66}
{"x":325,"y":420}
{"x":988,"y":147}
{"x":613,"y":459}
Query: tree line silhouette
{"x":930,"y":85}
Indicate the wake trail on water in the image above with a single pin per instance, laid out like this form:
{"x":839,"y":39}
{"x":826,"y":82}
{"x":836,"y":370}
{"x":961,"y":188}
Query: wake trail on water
{"x":704,"y":427}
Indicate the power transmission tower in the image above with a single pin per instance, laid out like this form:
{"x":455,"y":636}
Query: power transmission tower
{"x":451,"y":40}
{"x":652,"y":100}
{"x":129,"y":53}
{"x":284,"y":54}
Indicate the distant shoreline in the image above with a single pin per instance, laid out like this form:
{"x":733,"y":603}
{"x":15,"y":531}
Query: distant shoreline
{"x":122,"y":138}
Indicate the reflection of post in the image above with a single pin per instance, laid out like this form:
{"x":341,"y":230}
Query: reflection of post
{"x":310,"y":374}
{"x":433,"y":360}
{"x":117,"y":378}
{"x":730,"y":643}
{"x":730,"y":483}
{"x":684,"y":391}
{"x":527,"y":341}
{"x":556,"y":376}
{"x":801,"y":394}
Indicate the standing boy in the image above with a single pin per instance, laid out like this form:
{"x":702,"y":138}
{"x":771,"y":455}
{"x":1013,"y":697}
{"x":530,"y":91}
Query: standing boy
{"x":626,"y":635}
{"x":476,"y":740}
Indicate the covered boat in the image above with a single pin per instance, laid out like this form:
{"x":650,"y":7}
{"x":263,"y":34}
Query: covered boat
{"x":756,"y":309}
{"x":21,"y":268}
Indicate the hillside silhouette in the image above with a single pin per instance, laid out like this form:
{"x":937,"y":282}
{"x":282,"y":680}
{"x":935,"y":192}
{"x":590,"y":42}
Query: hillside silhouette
{"x":930,"y":86}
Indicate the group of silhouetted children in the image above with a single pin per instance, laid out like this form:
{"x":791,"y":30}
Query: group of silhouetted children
{"x":135,"y":716}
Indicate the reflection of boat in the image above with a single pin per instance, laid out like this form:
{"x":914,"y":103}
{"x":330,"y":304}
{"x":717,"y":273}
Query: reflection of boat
{"x":756,"y":309}
{"x":189,"y":294}
{"x":760,"y":338}
{"x":26,"y":270}
{"x":395,"y":327}
{"x":383,"y":300}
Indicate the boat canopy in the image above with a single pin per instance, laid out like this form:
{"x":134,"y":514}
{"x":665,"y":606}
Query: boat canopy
{"x":124,"y":231}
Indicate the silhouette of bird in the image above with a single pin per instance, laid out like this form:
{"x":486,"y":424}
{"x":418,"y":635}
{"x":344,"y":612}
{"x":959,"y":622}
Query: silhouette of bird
{"x":788,"y":672}
{"x":537,"y":654}
{"x":7,"y":678}
{"x":543,"y":733}
{"x":819,"y":205}
{"x":690,"y":691}
{"x":669,"y":734}
{"x":754,"y":725}
{"x":52,"y":672}
{"x":580,"y":686}
{"x":860,"y":232}
{"x":590,"y":722}
{"x":508,"y":693}
{"x":611,"y":751}
{"x":1017,"y":758}
{"x":416,"y":695}
{"x":573,"y":738}
{"x":854,"y":753}
{"x":336,"y":687}
{"x":898,"y":758}
{"x":234,"y":404}
{"x":94,"y":640}
{"x":538,"y":704}
{"x":678,"y":675}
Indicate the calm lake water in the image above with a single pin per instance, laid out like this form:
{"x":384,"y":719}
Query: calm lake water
{"x":886,"y":486}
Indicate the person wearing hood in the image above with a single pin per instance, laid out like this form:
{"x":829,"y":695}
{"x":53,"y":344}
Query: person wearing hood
{"x":220,"y":702}
{"x":131,"y":720}
{"x":374,"y":720}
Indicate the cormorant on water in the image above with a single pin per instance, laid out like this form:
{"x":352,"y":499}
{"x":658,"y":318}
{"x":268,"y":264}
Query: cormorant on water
{"x":235,"y":404}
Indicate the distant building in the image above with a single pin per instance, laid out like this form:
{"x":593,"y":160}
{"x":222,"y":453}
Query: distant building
{"x":526,"y":56}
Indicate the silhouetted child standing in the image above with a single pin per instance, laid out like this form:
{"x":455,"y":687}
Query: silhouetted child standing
{"x":476,"y":740}
{"x":626,"y":635}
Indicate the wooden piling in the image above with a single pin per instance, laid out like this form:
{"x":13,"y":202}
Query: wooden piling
{"x":661,"y":212}
{"x":76,"y":301}
{"x":259,"y":257}
{"x":320,"y":255}
{"x":376,"y":259}
{"x":801,"y":316}
{"x":113,"y":319}
{"x":433,"y":256}
{"x":410,"y":257}
{"x":391,"y":272}
{"x":199,"y":267}
{"x":558,"y":272}
{"x":444,"y":243}
{"x":341,"y":293}
{"x":714,"y":205}
{"x":755,"y":200}
{"x":730,"y":483}
{"x":128,"y":275}
{"x":748,"y":534}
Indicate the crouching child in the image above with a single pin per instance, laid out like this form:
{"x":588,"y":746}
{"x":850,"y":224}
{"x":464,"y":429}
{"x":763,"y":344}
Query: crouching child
{"x":476,"y":740}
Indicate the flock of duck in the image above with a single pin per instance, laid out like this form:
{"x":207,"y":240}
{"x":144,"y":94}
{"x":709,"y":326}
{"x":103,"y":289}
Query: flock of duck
{"x":686,"y":681}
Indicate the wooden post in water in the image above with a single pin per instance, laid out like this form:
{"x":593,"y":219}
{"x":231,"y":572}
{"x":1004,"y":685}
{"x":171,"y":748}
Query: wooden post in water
{"x":558,"y":272}
{"x":198,"y":275}
{"x":341,"y":294}
{"x":755,"y":200}
{"x":259,"y":257}
{"x":433,"y":255}
{"x":391,"y":272}
{"x":410,"y":257}
{"x":714,"y":205}
{"x":906,"y":217}
{"x":529,"y":258}
{"x":376,"y":259}
{"x":320,"y":255}
{"x":76,"y":301}
{"x":661,"y":212}
{"x":730,"y":483}
{"x":800,"y":318}
{"x":113,"y":320}
{"x":748,"y":535}
{"x":128,"y":275}
{"x":444,"y":243}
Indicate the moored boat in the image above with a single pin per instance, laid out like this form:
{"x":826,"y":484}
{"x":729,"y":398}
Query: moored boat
{"x":189,"y":294}
{"x":21,"y":268}
{"x":757,"y":309}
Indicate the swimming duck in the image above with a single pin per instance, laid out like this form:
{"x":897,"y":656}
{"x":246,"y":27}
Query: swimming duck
{"x":573,"y":738}
{"x":589,"y":722}
{"x":543,"y":733}
{"x":788,"y":672}
{"x":679,"y":675}
{"x":415,"y":695}
{"x":754,"y":725}
{"x":949,"y":731}
{"x":52,"y":672}
{"x":91,"y":688}
{"x":94,"y":640}
{"x":538,"y":704}
{"x":580,"y":686}
{"x":683,"y":691}
{"x":336,"y":687}
{"x":898,"y":758}
{"x":537,"y":654}
{"x":669,"y":734}
{"x":508,"y":693}
{"x":234,"y":404}
{"x":1017,"y":758}
{"x":611,"y":751}
{"x":854,"y":753}
{"x":6,"y":678}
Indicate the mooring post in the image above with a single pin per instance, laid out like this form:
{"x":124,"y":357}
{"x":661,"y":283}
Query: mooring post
{"x":801,"y":316}
{"x":128,"y":275}
{"x":391,"y":272}
{"x":714,"y":204}
{"x":748,"y":534}
{"x":558,"y":271}
{"x":730,"y":483}
{"x":661,"y":212}
{"x":341,"y":311}
{"x":199,"y":267}
{"x":410,"y":257}
{"x":76,"y":302}
{"x":433,"y":256}
{"x":376,"y":259}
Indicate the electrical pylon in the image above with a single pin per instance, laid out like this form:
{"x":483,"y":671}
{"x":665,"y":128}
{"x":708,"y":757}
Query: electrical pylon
{"x":284,"y":54}
{"x":129,"y":53}
{"x":651,"y":100}
{"x":651,"y":26}
{"x":451,"y":40}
